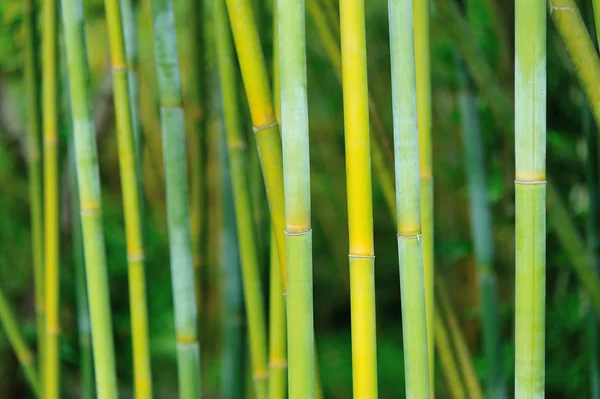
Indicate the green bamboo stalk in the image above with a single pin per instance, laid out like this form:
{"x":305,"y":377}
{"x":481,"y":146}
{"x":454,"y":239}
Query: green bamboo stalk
{"x":266,"y":128}
{"x":232,"y":377}
{"x":423,"y":86}
{"x":277,"y":329}
{"x":130,"y":186}
{"x":481,"y":231}
{"x":83,"y":317}
{"x":408,"y":202}
{"x":360,"y":206}
{"x":17,"y":341}
{"x":579,"y":45}
{"x":195,"y":109}
{"x":172,"y":126}
{"x":530,"y":193}
{"x":596,"y":6}
{"x":236,"y":146}
{"x":50,"y":347}
{"x":88,"y":180}
{"x":463,"y":356}
{"x":34,"y":159}
{"x":296,"y":172}
{"x":449,"y":366}
{"x":502,"y":108}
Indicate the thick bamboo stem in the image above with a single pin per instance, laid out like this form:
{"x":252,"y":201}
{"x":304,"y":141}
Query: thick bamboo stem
{"x":173,"y":136}
{"x":15,"y":337}
{"x":88,"y":179}
{"x":130,"y":185}
{"x":236,"y":146}
{"x":296,"y":173}
{"x":530,"y":192}
{"x":481,"y":231}
{"x":50,"y":347}
{"x":360,"y":206}
{"x":408,"y":201}
{"x":34,"y":160}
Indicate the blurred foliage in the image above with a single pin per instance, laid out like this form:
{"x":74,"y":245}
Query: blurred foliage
{"x":567,"y":348}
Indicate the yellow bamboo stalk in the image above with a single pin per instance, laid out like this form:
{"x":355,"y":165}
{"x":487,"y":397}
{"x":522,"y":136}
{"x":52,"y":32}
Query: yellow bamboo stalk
{"x":360,"y":206}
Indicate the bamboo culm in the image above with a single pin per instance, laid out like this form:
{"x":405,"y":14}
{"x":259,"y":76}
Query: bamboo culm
{"x":173,"y":137}
{"x":50,"y":348}
{"x":406,"y":150}
{"x":530,"y":192}
{"x":481,"y":232}
{"x":130,"y":186}
{"x":360,"y":206}
{"x":236,"y":146}
{"x":34,"y":159}
{"x":88,"y":180}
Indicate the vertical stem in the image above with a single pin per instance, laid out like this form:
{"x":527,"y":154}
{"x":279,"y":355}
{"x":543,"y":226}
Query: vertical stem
{"x":83,"y":316}
{"x":88,"y":179}
{"x":408,"y":202}
{"x":236,"y":146}
{"x":423,"y":85}
{"x":51,"y":355}
{"x":360,"y":206}
{"x":129,"y":170}
{"x":530,"y":187}
{"x":34,"y":159}
{"x":447,"y":360}
{"x":481,"y":231}
{"x":15,"y":337}
{"x":596,"y":6}
{"x":296,"y":171}
{"x":277,"y":329}
{"x":173,"y":136}
{"x":232,"y":377}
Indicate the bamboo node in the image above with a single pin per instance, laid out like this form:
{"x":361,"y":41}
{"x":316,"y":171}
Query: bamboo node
{"x":260,"y":375}
{"x":53,"y":330}
{"x":50,"y":140}
{"x":135,"y":257}
{"x":278,"y":363}
{"x":410,"y":236}
{"x":558,"y":8}
{"x":361,"y":256}
{"x":529,"y":183}
{"x":263,"y":127}
{"x":237,"y":145}
{"x":302,"y":233}
{"x":119,"y":68}
{"x":187,"y":340}
{"x":89,"y":208}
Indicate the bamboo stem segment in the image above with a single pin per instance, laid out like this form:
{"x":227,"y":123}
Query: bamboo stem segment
{"x":360,"y":206}
{"x":530,"y":187}
{"x":296,"y":172}
{"x":51,"y":355}
{"x":34,"y":159}
{"x":173,"y":137}
{"x":88,"y":179}
{"x":130,"y":185}
{"x":277,"y":330}
{"x":236,"y":146}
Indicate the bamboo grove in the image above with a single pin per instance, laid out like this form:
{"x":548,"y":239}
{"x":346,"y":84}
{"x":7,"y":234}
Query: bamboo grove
{"x":195,"y":192}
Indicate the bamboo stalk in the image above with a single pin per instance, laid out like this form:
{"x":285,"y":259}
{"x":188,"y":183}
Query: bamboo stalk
{"x":277,"y":329}
{"x":530,"y":193}
{"x":51,"y":354}
{"x":423,"y":85}
{"x":408,"y":201}
{"x":449,"y":366}
{"x":15,"y":337}
{"x":459,"y":342}
{"x":481,"y":231}
{"x":502,"y":108}
{"x":130,"y":186}
{"x":596,"y":7}
{"x":88,"y":179}
{"x":236,"y":146}
{"x":266,"y":128}
{"x":296,"y":171}
{"x":172,"y":126}
{"x":232,"y":377}
{"x":195,"y":108}
{"x":579,"y":45}
{"x":360,"y":207}
{"x":34,"y":159}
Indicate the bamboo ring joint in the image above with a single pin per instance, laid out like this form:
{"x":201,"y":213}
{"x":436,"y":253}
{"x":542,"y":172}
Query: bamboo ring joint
{"x":263,"y":127}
